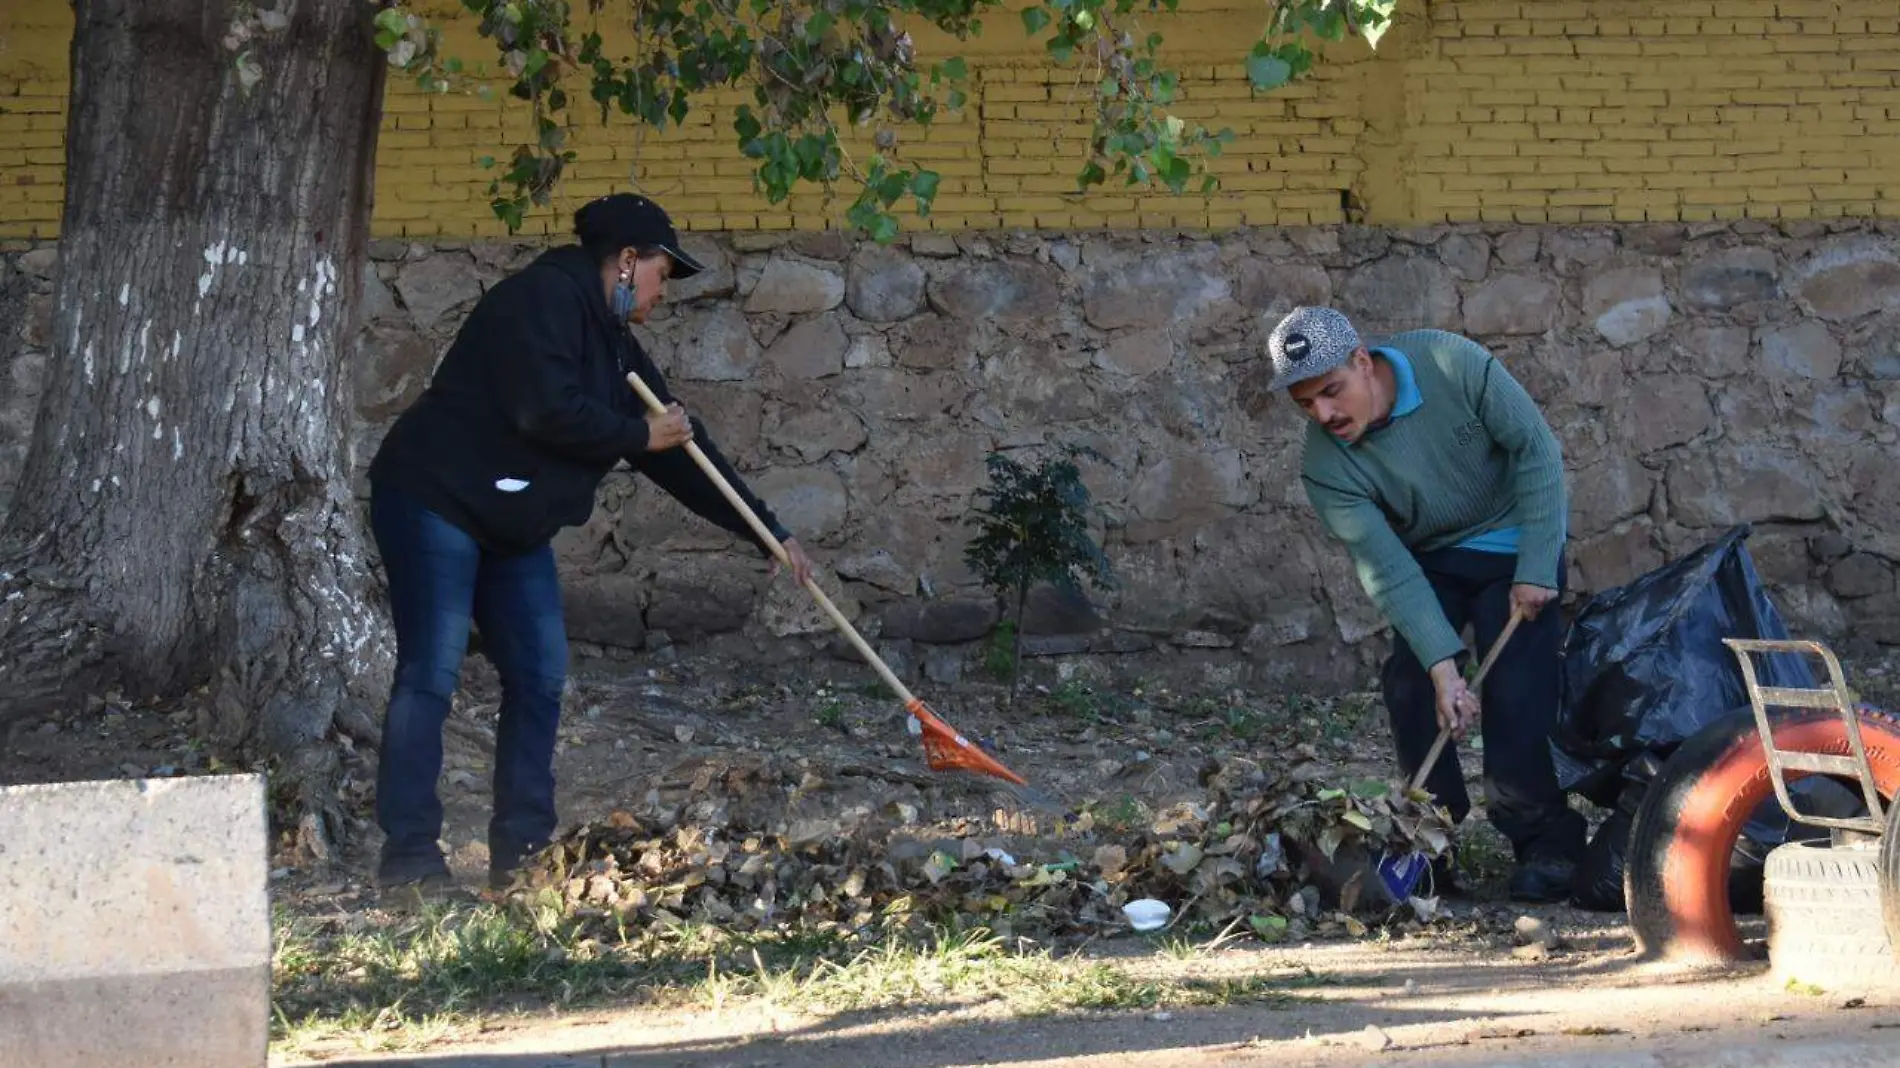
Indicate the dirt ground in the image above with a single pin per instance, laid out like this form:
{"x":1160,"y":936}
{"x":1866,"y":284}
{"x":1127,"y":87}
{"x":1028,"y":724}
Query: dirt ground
{"x":634,"y":730}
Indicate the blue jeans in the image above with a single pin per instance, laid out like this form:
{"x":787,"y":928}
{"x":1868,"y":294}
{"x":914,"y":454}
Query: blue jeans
{"x":439,"y":580}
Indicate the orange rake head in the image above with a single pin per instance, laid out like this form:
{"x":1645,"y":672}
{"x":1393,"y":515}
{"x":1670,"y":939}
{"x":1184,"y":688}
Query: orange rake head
{"x":946,"y":750}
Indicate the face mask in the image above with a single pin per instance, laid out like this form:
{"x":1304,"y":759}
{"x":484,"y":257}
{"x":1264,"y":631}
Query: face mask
{"x":624,"y":297}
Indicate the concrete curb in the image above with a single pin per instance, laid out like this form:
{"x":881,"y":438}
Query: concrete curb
{"x":137,"y":924}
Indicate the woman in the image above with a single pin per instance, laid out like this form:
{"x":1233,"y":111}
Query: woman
{"x":528,"y":411}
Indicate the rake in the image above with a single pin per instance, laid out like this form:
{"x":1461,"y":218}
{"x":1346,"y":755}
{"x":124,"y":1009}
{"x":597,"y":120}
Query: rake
{"x":945,"y":749}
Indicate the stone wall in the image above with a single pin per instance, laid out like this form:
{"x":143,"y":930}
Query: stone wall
{"x":1698,"y":375}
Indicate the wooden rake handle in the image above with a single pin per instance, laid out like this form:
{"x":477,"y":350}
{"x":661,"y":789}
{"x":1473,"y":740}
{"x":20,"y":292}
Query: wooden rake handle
{"x":811,"y":585}
{"x":1444,"y":736}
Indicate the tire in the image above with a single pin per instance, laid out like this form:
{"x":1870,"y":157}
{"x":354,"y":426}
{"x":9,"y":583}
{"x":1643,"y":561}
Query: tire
{"x":1890,"y":877}
{"x":1824,"y":917}
{"x":1676,"y":880}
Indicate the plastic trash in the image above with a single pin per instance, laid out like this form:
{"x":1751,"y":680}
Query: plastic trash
{"x":1643,"y":665}
{"x":1147,"y":914}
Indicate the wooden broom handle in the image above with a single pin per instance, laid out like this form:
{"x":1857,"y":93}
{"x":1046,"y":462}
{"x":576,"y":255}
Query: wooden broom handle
{"x":1444,"y":736}
{"x":831,"y":610}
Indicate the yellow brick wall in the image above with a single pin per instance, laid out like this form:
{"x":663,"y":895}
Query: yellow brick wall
{"x":1493,"y":110}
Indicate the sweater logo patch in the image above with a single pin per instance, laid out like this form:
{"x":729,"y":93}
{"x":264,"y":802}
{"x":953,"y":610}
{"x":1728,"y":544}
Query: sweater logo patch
{"x":1469,"y":432}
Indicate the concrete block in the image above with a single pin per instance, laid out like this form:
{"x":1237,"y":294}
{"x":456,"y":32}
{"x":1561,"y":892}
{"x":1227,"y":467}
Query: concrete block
{"x":135,"y":924}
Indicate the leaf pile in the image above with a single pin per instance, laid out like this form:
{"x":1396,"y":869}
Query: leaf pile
{"x":1251,"y":853}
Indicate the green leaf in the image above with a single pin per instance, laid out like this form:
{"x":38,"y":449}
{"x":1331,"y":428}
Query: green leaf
{"x":1268,"y":72}
{"x":1358,"y":819}
{"x":924,"y":185}
{"x":1034,"y":19}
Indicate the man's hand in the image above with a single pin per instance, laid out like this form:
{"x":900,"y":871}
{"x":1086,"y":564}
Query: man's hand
{"x":801,"y":564}
{"x":1458,"y":707}
{"x":1528,"y":600}
{"x":670,"y":430}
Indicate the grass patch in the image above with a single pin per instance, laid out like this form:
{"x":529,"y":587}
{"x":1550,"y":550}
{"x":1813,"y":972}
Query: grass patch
{"x":413,"y":981}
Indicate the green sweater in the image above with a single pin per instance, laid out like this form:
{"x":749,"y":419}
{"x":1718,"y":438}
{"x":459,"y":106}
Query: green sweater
{"x":1475,"y":456}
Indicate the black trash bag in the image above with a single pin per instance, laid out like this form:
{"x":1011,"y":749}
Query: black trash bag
{"x":1643,"y":665}
{"x":1599,"y":882}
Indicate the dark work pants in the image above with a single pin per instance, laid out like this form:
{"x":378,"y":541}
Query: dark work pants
{"x":1519,"y":700}
{"x":439,"y":580}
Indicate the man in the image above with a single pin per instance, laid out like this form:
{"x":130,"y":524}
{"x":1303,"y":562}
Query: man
{"x":1435,"y":468}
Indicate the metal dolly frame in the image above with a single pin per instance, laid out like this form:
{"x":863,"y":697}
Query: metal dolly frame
{"x":1836,"y":697}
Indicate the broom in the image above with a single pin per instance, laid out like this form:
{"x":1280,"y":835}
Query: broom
{"x":945,"y":749}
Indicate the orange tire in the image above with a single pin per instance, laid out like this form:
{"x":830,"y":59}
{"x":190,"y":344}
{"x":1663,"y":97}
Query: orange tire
{"x":1676,"y":876}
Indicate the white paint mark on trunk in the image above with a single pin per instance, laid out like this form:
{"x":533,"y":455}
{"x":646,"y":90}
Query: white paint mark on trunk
{"x":151,"y":406}
{"x":96,"y":484}
{"x":178,"y":341}
{"x":296,"y":334}
{"x":158,"y":432}
{"x":125,"y":294}
{"x":88,"y":363}
{"x":178,"y":445}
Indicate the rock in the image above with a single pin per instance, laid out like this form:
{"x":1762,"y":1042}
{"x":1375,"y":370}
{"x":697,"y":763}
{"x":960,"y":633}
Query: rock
{"x":1532,"y":930}
{"x":1665,"y":410}
{"x":935,"y":245}
{"x":940,"y":622}
{"x":1056,"y":644}
{"x":882,"y":285}
{"x":1036,"y":383}
{"x":791,"y":287}
{"x":41,"y":263}
{"x":1273,"y":289}
{"x":605,"y":610}
{"x":1065,"y":255}
{"x":1570,"y":249}
{"x":1860,"y":575}
{"x":717,"y":346}
{"x":880,"y":569}
{"x":1721,"y":351}
{"x":790,"y":610}
{"x":812,"y":348}
{"x":689,"y":608}
{"x":1202,"y":639}
{"x":868,"y":350}
{"x":1627,"y":305}
{"x":931,"y":343}
{"x":1140,"y":353}
{"x":1874,"y":347}
{"x":996,"y":291}
{"x":1152,"y":291}
{"x":1730,"y":278}
{"x":1512,"y":304}
{"x":36,"y":326}
{"x":1052,"y":610}
{"x":1829,"y":546}
{"x":1401,"y":293}
{"x":1185,"y":490}
{"x":817,"y":433}
{"x":1604,"y":494}
{"x":1518,"y":248}
{"x":1848,"y":280}
{"x":901,"y":395}
{"x":810,"y":501}
{"x":394,"y":372}
{"x":1617,"y":556}
{"x":1468,"y":255}
{"x":943,"y":666}
{"x":1121,"y":641}
{"x":435,"y":285}
{"x":1746,"y":483}
{"x":1373,"y":1040}
{"x":379,"y":302}
{"x":822,"y":245}
{"x":1533,"y":951}
{"x":1801,"y":350}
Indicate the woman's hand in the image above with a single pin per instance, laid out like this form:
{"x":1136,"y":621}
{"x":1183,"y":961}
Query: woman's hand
{"x":670,"y":430}
{"x":801,"y":564}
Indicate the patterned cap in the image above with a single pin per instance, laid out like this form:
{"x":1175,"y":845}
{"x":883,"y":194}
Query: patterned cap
{"x":1308,"y":343}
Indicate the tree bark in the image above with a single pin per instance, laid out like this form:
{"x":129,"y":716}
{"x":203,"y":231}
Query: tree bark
{"x":185,"y":516}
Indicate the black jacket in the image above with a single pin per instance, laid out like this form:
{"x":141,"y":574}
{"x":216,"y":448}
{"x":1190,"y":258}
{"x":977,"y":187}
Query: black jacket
{"x":534,"y":391}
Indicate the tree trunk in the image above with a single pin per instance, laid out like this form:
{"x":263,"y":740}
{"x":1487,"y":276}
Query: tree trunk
{"x":185,"y":516}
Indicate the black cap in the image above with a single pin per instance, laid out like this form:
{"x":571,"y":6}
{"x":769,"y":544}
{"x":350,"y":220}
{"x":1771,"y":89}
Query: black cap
{"x":619,"y":220}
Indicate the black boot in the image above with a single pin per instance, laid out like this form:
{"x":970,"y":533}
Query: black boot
{"x":424,"y":870}
{"x":1543,"y":880}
